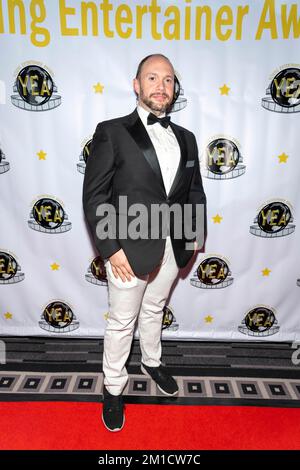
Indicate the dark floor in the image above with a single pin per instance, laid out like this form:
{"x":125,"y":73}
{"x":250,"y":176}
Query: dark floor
{"x":233,"y":373}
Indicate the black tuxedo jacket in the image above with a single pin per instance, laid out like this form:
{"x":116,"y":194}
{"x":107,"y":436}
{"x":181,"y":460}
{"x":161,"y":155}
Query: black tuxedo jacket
{"x":123,"y":162}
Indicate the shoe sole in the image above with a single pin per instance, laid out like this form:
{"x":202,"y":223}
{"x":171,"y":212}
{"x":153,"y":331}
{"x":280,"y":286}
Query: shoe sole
{"x":116,"y":429}
{"x":162,"y":391}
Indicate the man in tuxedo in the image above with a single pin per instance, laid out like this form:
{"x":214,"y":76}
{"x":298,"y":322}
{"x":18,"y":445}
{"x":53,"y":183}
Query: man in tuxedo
{"x":148,"y":161}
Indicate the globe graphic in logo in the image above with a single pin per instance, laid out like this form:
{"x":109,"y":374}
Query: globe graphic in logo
{"x":260,"y":319}
{"x":222,"y":156}
{"x":86,"y":150}
{"x":274,"y":217}
{"x":34,"y":85}
{"x":48,"y":213}
{"x":98,"y":269}
{"x":285,"y":87}
{"x":212,"y":271}
{"x":9,"y":266}
{"x":58,"y":314}
{"x":168,"y":317}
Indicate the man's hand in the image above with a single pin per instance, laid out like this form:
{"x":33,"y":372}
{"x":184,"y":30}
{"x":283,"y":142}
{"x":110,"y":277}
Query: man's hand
{"x":120,"y":266}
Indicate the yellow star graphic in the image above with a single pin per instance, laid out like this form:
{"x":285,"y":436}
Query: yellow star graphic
{"x":283,"y":158}
{"x":8,"y":315}
{"x":42,"y":155}
{"x":208,"y":319}
{"x":217,"y":219}
{"x":266,"y":272}
{"x":98,"y":88}
{"x":224,"y":90}
{"x":106,"y":316}
{"x":55,"y":266}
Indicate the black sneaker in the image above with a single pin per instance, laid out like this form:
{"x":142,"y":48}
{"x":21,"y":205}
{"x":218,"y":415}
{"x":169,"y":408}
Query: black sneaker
{"x":165,"y":382}
{"x":113,"y":411}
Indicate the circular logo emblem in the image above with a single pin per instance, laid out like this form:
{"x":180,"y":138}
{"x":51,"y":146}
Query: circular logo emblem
{"x":222,"y":156}
{"x":212,"y":271}
{"x":86,"y":150}
{"x":48,"y":213}
{"x":274,"y":217}
{"x":58,"y":314}
{"x":260,"y":319}
{"x":98,"y":269}
{"x":285,"y":87}
{"x":34,"y":85}
{"x":168,"y":318}
{"x":8,"y":266}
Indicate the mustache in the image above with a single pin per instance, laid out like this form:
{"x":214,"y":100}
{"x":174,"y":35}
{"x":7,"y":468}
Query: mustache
{"x":161,"y":94}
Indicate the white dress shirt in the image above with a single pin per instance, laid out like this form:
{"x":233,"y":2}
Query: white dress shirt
{"x":166,"y":147}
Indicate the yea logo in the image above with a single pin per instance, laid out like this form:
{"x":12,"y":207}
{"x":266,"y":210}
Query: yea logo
{"x":222,"y":159}
{"x":35,"y":89}
{"x":10,"y":270}
{"x":169,"y":320}
{"x":58,"y":317}
{"x":97,"y":272}
{"x":259,"y":321}
{"x":273,"y":220}
{"x":48,"y":215}
{"x":84,"y":156}
{"x":212,"y":273}
{"x":283,"y":93}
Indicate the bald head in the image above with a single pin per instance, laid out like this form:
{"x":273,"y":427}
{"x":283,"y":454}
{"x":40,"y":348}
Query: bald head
{"x":150,"y":58}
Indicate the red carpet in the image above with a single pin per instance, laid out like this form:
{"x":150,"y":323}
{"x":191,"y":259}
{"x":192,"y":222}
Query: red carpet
{"x":60,"y":426}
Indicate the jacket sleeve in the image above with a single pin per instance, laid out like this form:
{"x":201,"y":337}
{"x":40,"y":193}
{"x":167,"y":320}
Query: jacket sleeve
{"x":98,"y":190}
{"x":197,"y":196}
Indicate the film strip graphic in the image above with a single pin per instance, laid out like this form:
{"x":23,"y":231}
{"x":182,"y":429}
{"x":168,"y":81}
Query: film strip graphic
{"x":4,"y":166}
{"x":239,"y":170}
{"x":268,"y":103}
{"x":181,"y":102}
{"x":258,"y":232}
{"x":221,"y":285}
{"x":52,"y":103}
{"x":66,"y":329}
{"x":18,"y":277}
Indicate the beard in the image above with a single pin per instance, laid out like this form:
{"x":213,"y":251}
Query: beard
{"x":154,"y":105}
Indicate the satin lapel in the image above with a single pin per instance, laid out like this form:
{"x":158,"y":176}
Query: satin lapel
{"x":139,"y":134}
{"x":183,"y":156}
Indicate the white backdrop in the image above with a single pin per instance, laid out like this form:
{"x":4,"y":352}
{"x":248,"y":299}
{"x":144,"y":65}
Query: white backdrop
{"x":240,"y":96}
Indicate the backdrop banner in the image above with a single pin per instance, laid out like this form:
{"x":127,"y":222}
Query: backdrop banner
{"x":67,"y":65}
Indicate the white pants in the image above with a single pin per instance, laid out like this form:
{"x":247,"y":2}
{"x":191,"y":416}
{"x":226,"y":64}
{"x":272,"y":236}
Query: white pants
{"x":143,"y":298}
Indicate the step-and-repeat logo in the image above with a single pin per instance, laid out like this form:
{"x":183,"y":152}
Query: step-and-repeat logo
{"x":48,"y":215}
{"x":58,"y":317}
{"x":4,"y":165}
{"x":181,"y":101}
{"x":10,"y":270}
{"x":273,"y":220}
{"x":259,"y":321}
{"x":97,"y":272}
{"x":212,"y":273}
{"x":84,"y":156}
{"x":34,"y":88}
{"x":283,"y":92}
{"x":222,"y":159}
{"x":169,"y":321}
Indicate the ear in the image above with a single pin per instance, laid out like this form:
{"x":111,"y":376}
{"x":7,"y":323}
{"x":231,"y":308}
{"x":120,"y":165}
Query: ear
{"x":136,"y":86}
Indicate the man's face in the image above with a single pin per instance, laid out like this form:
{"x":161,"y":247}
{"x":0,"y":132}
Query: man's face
{"x":155,"y":86}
